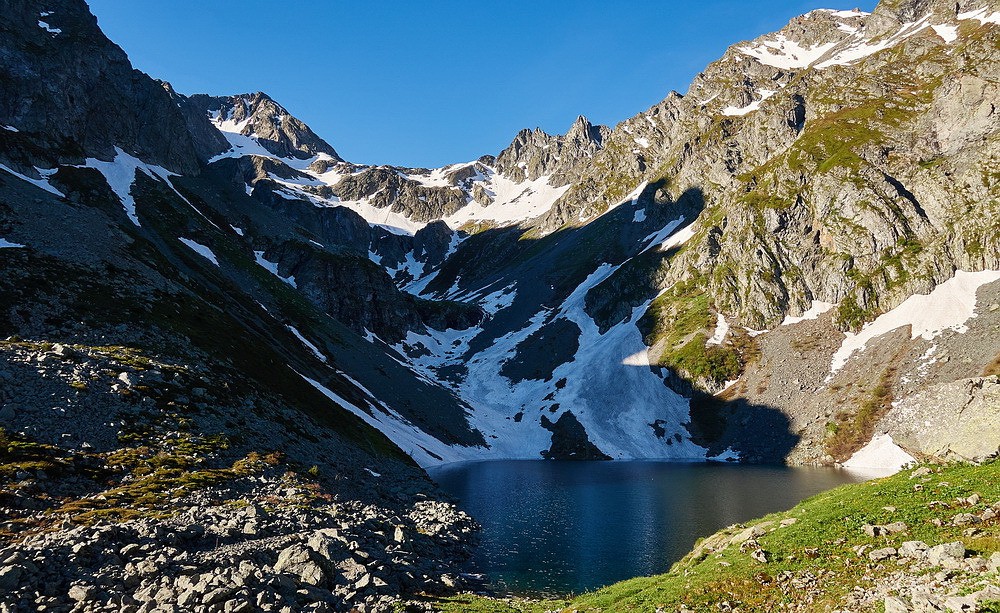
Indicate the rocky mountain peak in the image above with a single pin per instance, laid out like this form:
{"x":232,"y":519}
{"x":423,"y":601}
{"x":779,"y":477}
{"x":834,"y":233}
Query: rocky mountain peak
{"x":258,"y":116}
{"x":535,"y":154}
{"x":584,"y":131}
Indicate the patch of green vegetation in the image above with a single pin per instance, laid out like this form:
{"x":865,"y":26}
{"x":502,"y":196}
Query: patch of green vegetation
{"x":678,"y":322}
{"x":852,"y":430}
{"x":677,"y":314}
{"x":468,"y":603}
{"x":18,"y":454}
{"x":715,"y":363}
{"x":819,"y":544}
{"x":837,"y":140}
{"x":174,"y":468}
{"x":851,"y":314}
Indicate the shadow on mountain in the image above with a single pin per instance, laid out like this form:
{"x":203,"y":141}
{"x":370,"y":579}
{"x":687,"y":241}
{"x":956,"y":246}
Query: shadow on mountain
{"x":548,"y":269}
{"x":760,"y":434}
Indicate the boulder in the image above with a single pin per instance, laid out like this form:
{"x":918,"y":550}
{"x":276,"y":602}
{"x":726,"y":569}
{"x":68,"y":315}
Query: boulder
{"x":947,"y":555}
{"x":303,"y":563}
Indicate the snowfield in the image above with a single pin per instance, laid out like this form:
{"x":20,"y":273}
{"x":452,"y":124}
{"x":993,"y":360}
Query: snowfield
{"x":948,"y":307}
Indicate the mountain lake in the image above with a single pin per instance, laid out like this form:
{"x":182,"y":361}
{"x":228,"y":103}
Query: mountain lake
{"x":553,"y":528}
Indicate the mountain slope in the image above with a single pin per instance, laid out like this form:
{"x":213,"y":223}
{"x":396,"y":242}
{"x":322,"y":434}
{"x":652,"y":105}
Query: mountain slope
{"x":611,"y":280}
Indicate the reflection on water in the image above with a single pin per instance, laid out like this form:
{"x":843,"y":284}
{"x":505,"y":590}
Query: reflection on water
{"x":557,"y":527}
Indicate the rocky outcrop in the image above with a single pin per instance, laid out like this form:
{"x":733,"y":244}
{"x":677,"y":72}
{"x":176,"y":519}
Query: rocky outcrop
{"x":374,"y":303}
{"x":569,"y":440}
{"x":957,"y":421}
{"x":386,"y":188}
{"x":260,"y":117}
{"x":71,"y":94}
{"x":562,"y":158}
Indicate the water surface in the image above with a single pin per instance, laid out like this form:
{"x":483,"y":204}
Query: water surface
{"x":559,"y":527}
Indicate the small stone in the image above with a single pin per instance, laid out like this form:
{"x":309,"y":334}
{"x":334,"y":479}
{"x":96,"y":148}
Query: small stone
{"x":881,"y":554}
{"x":789,"y":522}
{"x":761,"y":556}
{"x":964,"y":519}
{"x":913,"y":549}
{"x":974,"y":499}
{"x":81,"y":593}
{"x":920,"y":472}
{"x":895,"y":605}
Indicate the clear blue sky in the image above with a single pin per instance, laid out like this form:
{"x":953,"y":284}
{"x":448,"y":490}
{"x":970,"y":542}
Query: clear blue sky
{"x":436,"y":82}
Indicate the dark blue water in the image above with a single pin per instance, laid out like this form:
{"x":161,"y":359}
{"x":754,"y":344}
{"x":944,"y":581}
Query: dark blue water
{"x":562,"y":527}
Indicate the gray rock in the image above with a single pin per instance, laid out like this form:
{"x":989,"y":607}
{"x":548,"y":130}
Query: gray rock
{"x":895,"y":605}
{"x":964,"y":519}
{"x":913,"y":549}
{"x":301,"y":562}
{"x":81,"y":593}
{"x":993,"y":564}
{"x":882,"y":554}
{"x":10,"y":576}
{"x":948,"y":555}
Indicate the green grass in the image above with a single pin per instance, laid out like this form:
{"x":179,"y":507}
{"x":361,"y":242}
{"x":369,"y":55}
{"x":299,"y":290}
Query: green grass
{"x":827,"y":527}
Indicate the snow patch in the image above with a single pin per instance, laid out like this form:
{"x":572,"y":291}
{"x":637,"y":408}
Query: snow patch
{"x":729,"y":455}
{"x":732,"y":111}
{"x":200,"y":249}
{"x":10,"y":128}
{"x":880,"y":454}
{"x":313,"y":348}
{"x":948,"y":307}
{"x":948,"y":33}
{"x":981,"y":16}
{"x":786,"y":54}
{"x":861,"y":48}
{"x":721,"y":329}
{"x":422,"y":447}
{"x":639,"y":216}
{"x":5,"y":244}
{"x":669,"y":237}
{"x":120,"y":175}
{"x":272,"y":267}
{"x":499,"y":300}
{"x":45,"y":26}
{"x":238,"y":231}
{"x":42,"y":183}
{"x":847,"y":14}
{"x":513,"y":201}
{"x":818,"y":308}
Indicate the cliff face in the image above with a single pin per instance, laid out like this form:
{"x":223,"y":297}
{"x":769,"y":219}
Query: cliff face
{"x":72,"y":94}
